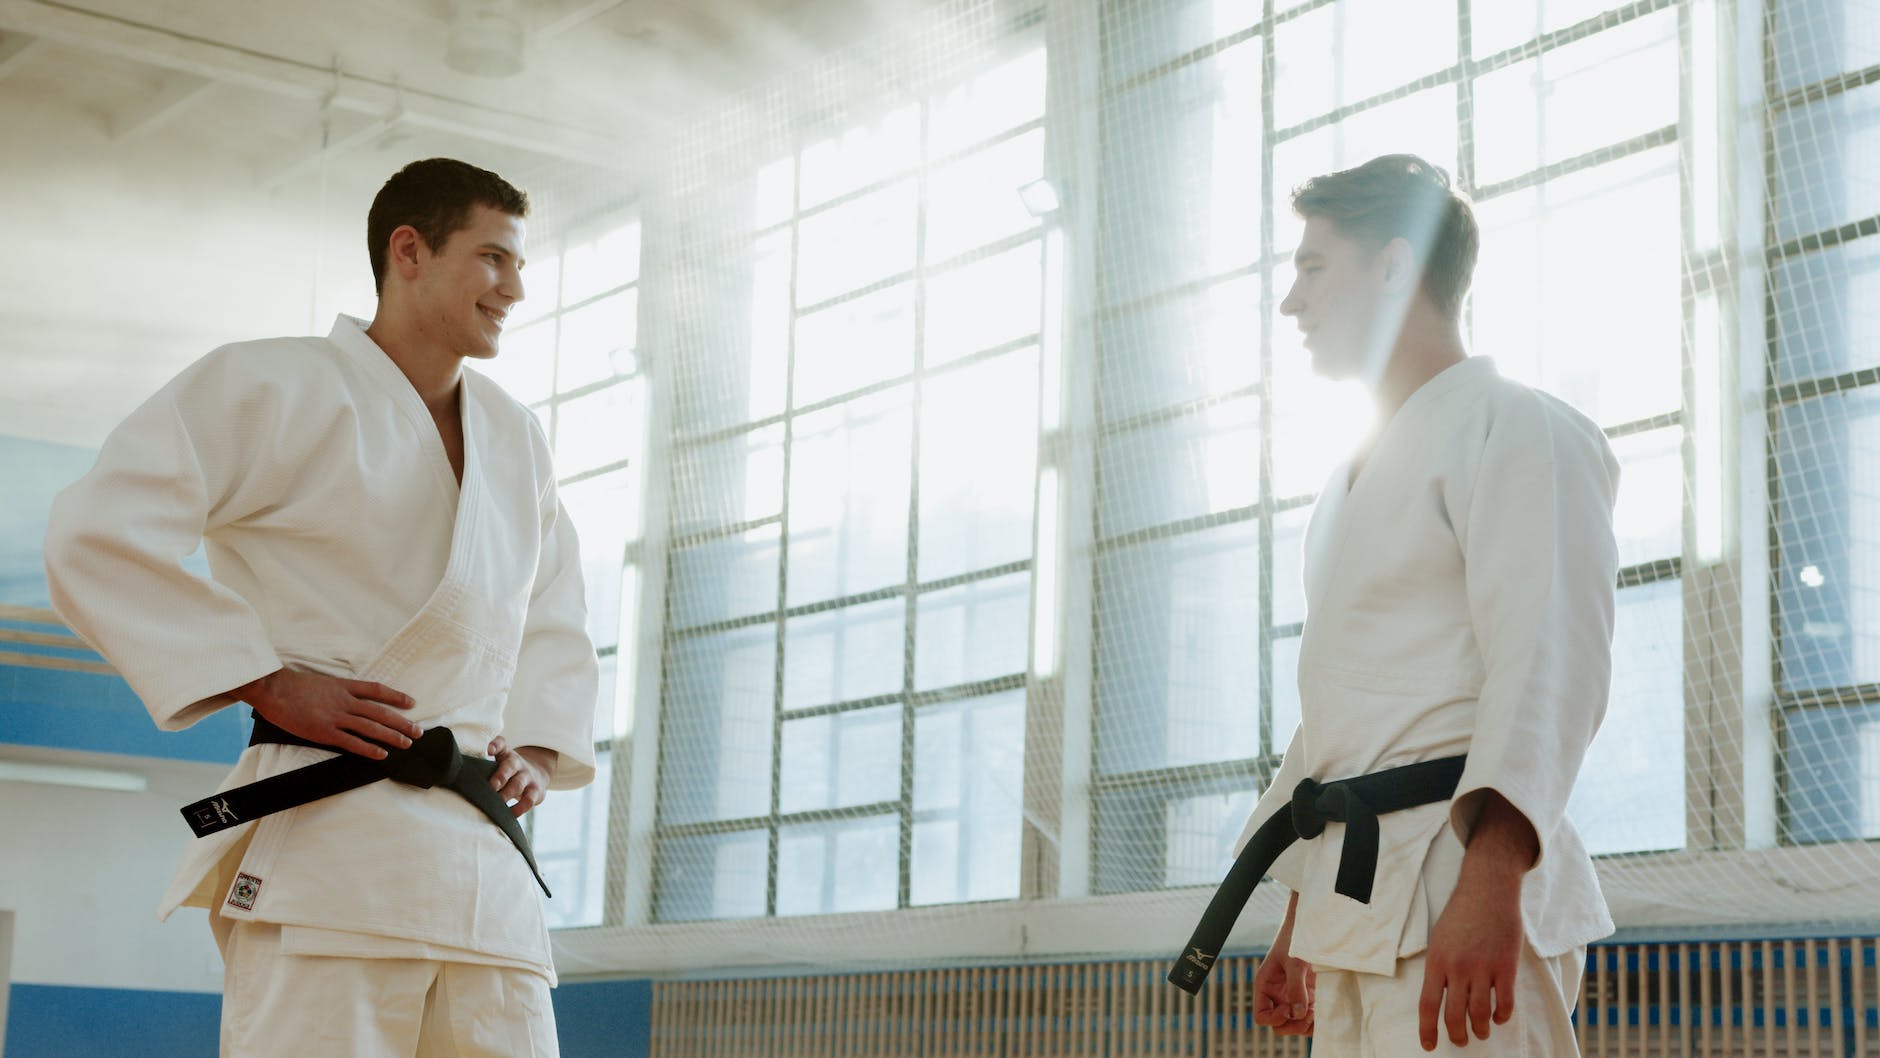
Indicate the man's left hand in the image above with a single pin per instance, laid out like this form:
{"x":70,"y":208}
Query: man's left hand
{"x":1474,"y":949}
{"x":1475,"y":945}
{"x":522,"y":774}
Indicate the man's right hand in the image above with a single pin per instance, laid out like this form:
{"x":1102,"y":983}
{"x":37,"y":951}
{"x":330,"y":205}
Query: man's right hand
{"x":332,"y":711}
{"x":1283,"y":985}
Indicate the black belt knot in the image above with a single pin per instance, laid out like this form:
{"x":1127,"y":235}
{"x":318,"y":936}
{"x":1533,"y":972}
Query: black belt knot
{"x":1355,"y":802}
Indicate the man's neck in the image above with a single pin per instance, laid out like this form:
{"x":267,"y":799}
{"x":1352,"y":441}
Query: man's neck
{"x":1427,"y":346}
{"x":432,"y":369}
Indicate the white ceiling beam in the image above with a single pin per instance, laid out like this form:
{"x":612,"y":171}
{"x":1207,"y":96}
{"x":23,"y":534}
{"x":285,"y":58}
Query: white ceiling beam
{"x":575,"y":17}
{"x":156,"y":46}
{"x":15,"y":49}
{"x":151,"y":112}
{"x":334,"y":148}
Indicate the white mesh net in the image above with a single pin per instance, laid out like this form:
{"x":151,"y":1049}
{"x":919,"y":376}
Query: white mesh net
{"x":962,"y":618}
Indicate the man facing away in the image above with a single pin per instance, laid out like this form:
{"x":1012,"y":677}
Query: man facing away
{"x":1460,"y":576}
{"x":388,"y":555}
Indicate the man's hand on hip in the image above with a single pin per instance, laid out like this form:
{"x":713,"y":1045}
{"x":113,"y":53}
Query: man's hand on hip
{"x":332,"y":711}
{"x":522,"y":774}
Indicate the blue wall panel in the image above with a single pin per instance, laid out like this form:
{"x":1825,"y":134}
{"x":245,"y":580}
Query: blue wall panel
{"x":55,"y":1021}
{"x":599,"y":1019}
{"x":603,"y":1019}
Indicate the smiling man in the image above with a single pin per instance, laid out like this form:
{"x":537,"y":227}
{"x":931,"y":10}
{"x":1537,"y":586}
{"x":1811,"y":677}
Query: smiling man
{"x":1459,"y":575}
{"x":395,"y":590}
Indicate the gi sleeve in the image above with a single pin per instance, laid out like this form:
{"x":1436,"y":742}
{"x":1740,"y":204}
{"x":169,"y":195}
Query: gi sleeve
{"x":190,"y":459}
{"x":1540,"y":564}
{"x":551,"y":703}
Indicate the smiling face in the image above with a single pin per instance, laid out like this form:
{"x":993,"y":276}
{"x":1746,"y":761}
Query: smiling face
{"x":1348,"y":299}
{"x":463,"y":291}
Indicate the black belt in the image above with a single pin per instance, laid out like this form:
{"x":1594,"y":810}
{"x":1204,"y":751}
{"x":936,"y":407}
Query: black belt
{"x":432,"y":760}
{"x":1355,"y":802}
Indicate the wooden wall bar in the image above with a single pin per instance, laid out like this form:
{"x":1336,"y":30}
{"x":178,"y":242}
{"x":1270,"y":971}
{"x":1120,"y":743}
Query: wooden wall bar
{"x":1737,"y":999}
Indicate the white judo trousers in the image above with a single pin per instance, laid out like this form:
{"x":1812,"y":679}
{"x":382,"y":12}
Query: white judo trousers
{"x":279,"y":1003}
{"x":1361,"y":1015}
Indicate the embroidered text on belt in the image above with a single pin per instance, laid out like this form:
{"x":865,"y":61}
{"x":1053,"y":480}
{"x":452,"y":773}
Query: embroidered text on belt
{"x":1355,"y":802}
{"x":432,"y":760}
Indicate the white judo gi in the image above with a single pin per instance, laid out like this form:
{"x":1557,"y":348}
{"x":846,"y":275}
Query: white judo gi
{"x":340,"y":542}
{"x":1460,"y":599}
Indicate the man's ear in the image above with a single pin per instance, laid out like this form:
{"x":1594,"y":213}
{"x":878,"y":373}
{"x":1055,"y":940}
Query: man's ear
{"x":406,"y":251}
{"x":1400,"y":266}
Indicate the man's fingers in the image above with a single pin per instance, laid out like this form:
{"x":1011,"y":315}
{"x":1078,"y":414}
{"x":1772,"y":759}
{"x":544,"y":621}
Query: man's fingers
{"x":379,"y":692}
{"x":1456,"y":1013}
{"x":1504,"y":997}
{"x":497,"y":745}
{"x":1479,"y":1010}
{"x":1429,"y":1006}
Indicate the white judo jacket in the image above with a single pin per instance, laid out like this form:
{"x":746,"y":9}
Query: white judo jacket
{"x":1460,"y":598}
{"x":340,"y":542}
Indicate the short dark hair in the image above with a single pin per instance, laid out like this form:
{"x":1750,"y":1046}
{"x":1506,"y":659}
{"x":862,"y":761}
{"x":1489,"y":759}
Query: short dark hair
{"x":1403,"y":196}
{"x":434,"y":196}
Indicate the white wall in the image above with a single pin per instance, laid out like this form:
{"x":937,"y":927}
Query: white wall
{"x":82,"y":872}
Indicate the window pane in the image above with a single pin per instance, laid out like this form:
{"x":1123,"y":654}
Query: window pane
{"x":1826,"y":158}
{"x":1828,"y":539}
{"x":1139,"y":35}
{"x":1501,"y":25}
{"x":848,"y":498}
{"x":1563,"y":103}
{"x":842,"y":759}
{"x":1828,"y":311}
{"x":969,"y":760}
{"x":1180,"y":169}
{"x":1202,"y":462}
{"x":1423,"y":124}
{"x":975,"y":201}
{"x":854,"y":343}
{"x":861,"y":156}
{"x":1832,"y":764}
{"x":722,"y":579}
{"x":596,"y":265}
{"x":1649,"y":517}
{"x":844,"y":655}
{"x":1816,"y":39}
{"x":1548,"y":254}
{"x":774,"y":196}
{"x":598,"y":341}
{"x":982,"y":304}
{"x":599,"y":428}
{"x":1178,"y":675}
{"x":846,"y":865}
{"x":525,"y":362}
{"x":715,"y":763}
{"x":856,"y":243}
{"x":1196,"y":345}
{"x":569,"y":835}
{"x":1147,"y":837}
{"x":1289,"y":585}
{"x":605,"y":512}
{"x":1372,"y":45}
{"x":1003,"y":97}
{"x":978,"y":465}
{"x":1636,"y":801}
{"x":541,"y":287}
{"x":728,"y":482}
{"x":713,"y":876}
{"x":734,"y":311}
{"x":1285,"y":692}
{"x":976,"y":631}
